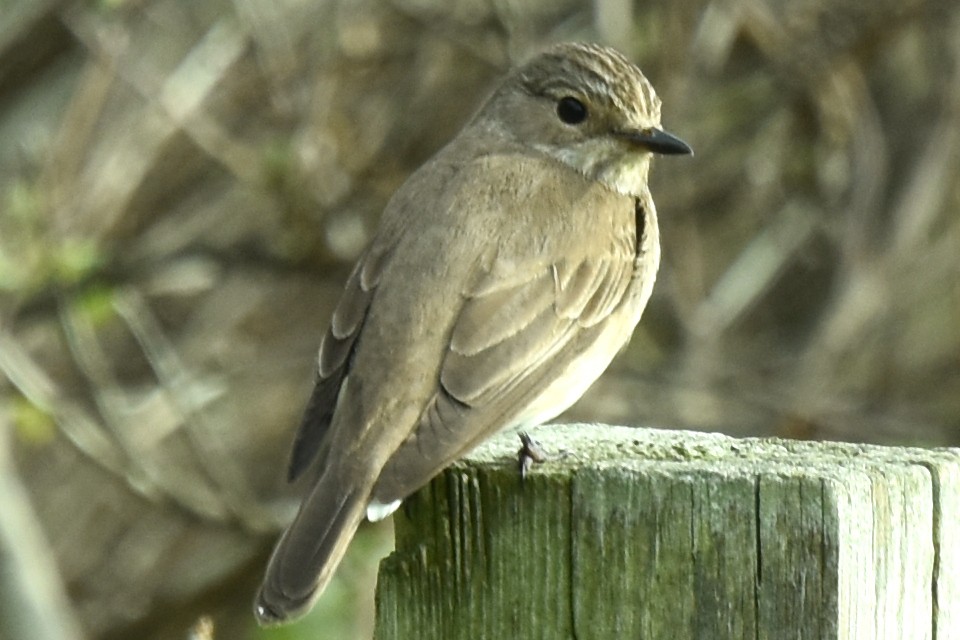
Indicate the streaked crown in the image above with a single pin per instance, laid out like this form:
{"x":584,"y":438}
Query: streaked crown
{"x":604,"y":74}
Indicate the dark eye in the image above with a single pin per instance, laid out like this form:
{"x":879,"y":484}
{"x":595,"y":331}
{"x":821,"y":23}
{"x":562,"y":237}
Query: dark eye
{"x":571,"y":111}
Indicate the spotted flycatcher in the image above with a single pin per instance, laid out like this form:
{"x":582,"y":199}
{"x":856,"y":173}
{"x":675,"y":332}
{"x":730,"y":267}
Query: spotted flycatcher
{"x":506,"y":274}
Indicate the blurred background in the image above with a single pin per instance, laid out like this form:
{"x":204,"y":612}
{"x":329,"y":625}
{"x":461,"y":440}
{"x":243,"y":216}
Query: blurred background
{"x":184,"y":186}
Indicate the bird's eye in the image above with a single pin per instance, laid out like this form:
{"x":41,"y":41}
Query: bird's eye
{"x":571,"y":111}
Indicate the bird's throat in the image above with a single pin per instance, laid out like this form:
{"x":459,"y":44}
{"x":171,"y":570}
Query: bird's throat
{"x":623,"y":172}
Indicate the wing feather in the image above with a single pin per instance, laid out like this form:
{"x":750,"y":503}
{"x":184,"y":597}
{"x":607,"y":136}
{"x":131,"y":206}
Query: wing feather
{"x":496,"y":314}
{"x":584,"y":282}
{"x":334,"y":360}
{"x":509,"y":343}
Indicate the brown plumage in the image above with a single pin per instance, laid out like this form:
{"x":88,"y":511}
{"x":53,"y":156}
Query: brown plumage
{"x":505,"y":275}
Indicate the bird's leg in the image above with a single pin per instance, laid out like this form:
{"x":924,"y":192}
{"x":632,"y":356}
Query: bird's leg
{"x":530,"y":452}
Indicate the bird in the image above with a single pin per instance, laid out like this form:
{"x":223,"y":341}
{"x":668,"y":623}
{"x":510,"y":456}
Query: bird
{"x":504,"y":276}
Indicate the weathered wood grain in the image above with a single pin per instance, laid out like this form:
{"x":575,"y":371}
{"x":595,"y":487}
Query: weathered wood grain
{"x":638,"y":533}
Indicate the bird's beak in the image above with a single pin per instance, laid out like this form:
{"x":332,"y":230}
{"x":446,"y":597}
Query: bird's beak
{"x":657,"y":141}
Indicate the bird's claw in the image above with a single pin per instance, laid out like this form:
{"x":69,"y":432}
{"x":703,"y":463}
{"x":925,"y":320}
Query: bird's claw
{"x":530,"y":451}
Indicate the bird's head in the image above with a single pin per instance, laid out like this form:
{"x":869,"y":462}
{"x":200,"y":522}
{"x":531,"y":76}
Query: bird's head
{"x":589,"y":107}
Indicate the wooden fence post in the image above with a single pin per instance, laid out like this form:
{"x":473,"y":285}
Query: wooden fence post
{"x":638,"y":533}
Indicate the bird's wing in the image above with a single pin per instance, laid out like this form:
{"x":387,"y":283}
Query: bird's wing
{"x":513,"y":336}
{"x":335,"y":358}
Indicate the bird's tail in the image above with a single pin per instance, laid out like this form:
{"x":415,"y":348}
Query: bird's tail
{"x":310,"y":549}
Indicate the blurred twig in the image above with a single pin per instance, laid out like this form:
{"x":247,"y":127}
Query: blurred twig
{"x":32,"y":599}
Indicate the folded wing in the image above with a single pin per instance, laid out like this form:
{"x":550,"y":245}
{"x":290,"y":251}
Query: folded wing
{"x":513,"y":337}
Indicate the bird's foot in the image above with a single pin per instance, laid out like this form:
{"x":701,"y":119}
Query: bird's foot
{"x":530,"y":451}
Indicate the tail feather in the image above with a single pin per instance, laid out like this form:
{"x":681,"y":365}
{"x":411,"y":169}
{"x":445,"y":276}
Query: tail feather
{"x":309,"y":551}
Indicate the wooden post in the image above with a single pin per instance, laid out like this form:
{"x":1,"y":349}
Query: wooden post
{"x":637,"y":533}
